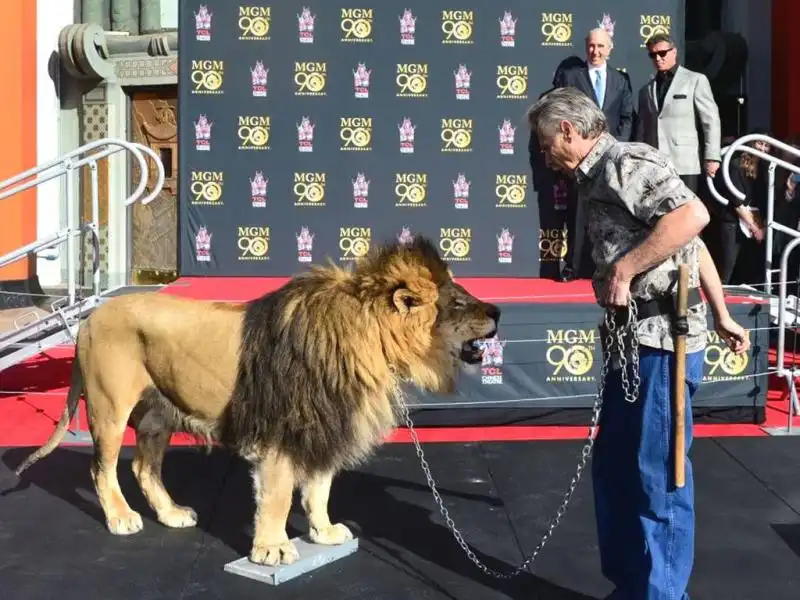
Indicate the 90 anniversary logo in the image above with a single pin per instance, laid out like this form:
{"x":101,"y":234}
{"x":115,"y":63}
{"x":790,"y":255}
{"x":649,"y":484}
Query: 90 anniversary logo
{"x":356,"y":25}
{"x":206,"y":187}
{"x":512,"y":82}
{"x":208,"y":76}
{"x":552,"y":245}
{"x":721,"y":363}
{"x":310,"y":78}
{"x":455,"y":243}
{"x":457,"y":26}
{"x":253,"y":133}
{"x":254,"y":22}
{"x":309,"y":189}
{"x":412,"y":80}
{"x":557,"y":29}
{"x":354,"y":242}
{"x":650,"y":25}
{"x":510,"y":190}
{"x":411,"y":189}
{"x":355,"y":133}
{"x":570,"y":353}
{"x":456,"y":135}
{"x":253,"y":242}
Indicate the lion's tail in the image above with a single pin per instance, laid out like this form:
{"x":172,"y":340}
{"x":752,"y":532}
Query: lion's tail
{"x":74,"y":395}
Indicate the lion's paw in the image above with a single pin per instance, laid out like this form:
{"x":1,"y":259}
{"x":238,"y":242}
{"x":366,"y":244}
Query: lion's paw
{"x":331,"y":536}
{"x":178,"y":516}
{"x":275,"y":554}
{"x":128,"y":524}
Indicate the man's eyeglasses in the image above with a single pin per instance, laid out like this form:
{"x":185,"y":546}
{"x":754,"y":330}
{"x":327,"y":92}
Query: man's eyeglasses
{"x":660,"y":53}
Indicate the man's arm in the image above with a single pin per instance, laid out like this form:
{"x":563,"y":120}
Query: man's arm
{"x":708,"y":112}
{"x":712,"y":285}
{"x":671,"y":233}
{"x":655,"y":194}
{"x":735,"y":336}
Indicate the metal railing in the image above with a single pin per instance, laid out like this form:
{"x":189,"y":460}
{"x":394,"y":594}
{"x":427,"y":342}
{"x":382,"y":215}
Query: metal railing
{"x":789,"y":374}
{"x":61,"y":324}
{"x":66,"y":166}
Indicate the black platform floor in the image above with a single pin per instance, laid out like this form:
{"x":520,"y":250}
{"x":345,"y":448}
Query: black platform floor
{"x":53,"y":543}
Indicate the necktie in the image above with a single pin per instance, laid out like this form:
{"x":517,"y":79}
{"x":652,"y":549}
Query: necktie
{"x":598,"y":87}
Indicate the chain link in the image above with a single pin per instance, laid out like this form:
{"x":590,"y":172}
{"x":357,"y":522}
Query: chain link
{"x":615,"y":342}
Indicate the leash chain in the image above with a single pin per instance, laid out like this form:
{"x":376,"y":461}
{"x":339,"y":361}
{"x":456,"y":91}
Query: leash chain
{"x":615,"y":340}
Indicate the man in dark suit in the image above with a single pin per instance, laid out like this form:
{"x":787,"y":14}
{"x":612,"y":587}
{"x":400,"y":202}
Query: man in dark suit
{"x":611,"y":90}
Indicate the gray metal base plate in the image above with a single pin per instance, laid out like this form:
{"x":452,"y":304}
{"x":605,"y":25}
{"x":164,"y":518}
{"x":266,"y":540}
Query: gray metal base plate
{"x":312,"y":557}
{"x":782,"y":431}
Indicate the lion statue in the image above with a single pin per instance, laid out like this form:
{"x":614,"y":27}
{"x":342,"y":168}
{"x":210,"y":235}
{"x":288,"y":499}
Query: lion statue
{"x":301,"y":382}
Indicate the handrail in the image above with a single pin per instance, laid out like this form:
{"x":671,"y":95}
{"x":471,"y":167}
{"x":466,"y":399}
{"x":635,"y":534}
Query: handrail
{"x":66,"y":162}
{"x":780,"y":350}
{"x":67,"y":165}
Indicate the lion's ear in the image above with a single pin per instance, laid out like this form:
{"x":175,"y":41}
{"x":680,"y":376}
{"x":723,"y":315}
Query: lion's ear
{"x":412,"y":298}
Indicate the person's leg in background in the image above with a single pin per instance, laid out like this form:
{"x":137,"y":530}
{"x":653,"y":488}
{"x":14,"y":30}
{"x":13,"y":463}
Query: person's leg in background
{"x":728,"y":240}
{"x":575,"y":231}
{"x":645,"y":525}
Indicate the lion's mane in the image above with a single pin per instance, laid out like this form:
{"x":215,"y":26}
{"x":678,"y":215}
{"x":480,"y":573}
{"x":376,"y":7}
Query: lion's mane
{"x":321,"y":357}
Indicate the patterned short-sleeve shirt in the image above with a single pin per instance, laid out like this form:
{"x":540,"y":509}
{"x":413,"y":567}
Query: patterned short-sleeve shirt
{"x":626,"y":187}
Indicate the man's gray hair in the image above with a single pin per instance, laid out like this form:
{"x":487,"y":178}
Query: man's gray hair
{"x":567,"y":104}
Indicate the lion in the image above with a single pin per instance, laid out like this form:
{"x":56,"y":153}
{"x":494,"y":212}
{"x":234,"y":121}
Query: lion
{"x":301,"y":382}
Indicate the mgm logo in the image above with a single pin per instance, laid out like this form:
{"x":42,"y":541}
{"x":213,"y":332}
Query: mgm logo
{"x":354,"y":242}
{"x":570,"y":353}
{"x":253,"y":242}
{"x":206,"y":187}
{"x":254,"y":22}
{"x":253,"y":133}
{"x":207,"y":76}
{"x":650,"y":25}
{"x":720,"y":363}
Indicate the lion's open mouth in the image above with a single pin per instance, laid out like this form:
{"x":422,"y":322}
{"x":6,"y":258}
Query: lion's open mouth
{"x":472,"y":350}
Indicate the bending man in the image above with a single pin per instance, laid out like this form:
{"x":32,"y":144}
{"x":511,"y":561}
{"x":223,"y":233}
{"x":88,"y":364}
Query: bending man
{"x":643,"y":221}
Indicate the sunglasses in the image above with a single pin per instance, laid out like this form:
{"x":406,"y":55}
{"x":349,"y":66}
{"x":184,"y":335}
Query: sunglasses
{"x":660,"y":53}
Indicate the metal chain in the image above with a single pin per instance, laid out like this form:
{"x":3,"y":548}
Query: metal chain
{"x":615,"y":342}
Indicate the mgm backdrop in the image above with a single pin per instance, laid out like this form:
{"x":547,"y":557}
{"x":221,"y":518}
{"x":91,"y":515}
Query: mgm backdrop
{"x":311,"y":129}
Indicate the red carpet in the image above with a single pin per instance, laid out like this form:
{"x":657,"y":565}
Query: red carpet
{"x":33,"y":393}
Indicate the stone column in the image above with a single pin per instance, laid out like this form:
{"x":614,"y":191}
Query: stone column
{"x":95,"y":12}
{"x":123,"y":17}
{"x":149,"y":16}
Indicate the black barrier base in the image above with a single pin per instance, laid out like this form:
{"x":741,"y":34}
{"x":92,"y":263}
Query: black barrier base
{"x":543,"y":370}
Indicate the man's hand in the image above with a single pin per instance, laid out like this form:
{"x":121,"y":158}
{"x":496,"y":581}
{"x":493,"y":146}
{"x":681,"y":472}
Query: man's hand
{"x":617,"y":291}
{"x":735,"y":336}
{"x":711,"y":167}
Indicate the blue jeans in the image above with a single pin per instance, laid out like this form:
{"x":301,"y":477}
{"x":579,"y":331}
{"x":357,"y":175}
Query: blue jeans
{"x":645,"y":525}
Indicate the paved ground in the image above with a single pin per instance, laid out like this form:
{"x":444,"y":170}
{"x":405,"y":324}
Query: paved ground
{"x":501,"y":495}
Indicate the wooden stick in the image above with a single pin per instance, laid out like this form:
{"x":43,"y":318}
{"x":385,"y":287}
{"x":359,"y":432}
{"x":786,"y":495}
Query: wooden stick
{"x":682,"y":309}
